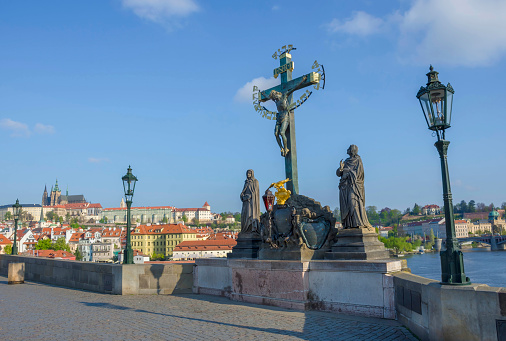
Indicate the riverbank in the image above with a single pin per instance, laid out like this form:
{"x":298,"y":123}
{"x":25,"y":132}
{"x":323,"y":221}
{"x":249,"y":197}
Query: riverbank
{"x":480,"y":264}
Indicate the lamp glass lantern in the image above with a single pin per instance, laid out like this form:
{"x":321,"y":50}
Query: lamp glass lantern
{"x":129,"y":181}
{"x":16,"y":209}
{"x":436,"y":101}
{"x":268,"y":199}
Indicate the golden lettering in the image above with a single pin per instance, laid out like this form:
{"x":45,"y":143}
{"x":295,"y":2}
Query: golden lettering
{"x":315,"y":65}
{"x":255,"y":88}
{"x":275,"y":55}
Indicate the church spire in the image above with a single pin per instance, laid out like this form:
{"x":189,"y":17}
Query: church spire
{"x":67,"y":193}
{"x":56,"y":188}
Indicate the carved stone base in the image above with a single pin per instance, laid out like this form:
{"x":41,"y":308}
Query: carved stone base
{"x":297,"y":254}
{"x":357,"y":244}
{"x":247,"y":246}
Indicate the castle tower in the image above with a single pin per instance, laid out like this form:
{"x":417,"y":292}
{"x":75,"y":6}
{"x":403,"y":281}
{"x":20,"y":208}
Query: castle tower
{"x":55,"y":194}
{"x":44,"y":196}
{"x":207,"y":206}
{"x":122,"y":204}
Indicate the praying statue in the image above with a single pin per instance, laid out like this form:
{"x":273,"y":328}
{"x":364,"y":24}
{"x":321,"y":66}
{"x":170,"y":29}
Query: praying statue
{"x":250,"y":197}
{"x":351,"y":191}
{"x":283,"y":115}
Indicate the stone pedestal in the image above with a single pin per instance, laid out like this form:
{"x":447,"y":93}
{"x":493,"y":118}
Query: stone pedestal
{"x":357,"y":244}
{"x":247,"y":246}
{"x":363,"y":288}
{"x":296,"y":254}
{"x":16,"y":273}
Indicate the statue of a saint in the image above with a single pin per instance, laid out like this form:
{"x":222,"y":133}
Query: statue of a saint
{"x":351,"y":191}
{"x":250,"y":197}
{"x":283,"y":118}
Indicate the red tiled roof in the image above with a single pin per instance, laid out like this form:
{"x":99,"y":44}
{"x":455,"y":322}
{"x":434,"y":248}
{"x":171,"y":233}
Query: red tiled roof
{"x":138,"y":208}
{"x":4,"y":240}
{"x":206,"y":204}
{"x":162,"y":229}
{"x":52,"y":254}
{"x":206,"y":245}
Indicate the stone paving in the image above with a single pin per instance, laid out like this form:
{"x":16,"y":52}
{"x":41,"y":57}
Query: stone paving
{"x":34,"y":311}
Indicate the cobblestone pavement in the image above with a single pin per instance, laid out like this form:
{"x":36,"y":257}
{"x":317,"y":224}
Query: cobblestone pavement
{"x":43,"y":312}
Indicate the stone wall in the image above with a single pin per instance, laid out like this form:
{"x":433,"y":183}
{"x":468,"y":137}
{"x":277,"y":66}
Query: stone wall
{"x":106,"y":278}
{"x":362,"y":288}
{"x":445,"y":312}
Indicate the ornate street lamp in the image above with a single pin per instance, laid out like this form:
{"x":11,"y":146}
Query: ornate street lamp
{"x":129,"y":181}
{"x":268,"y":199}
{"x":436,"y":100}
{"x":16,"y":210}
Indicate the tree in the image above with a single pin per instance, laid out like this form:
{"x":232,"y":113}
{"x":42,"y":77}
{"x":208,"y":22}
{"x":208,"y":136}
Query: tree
{"x":78,"y":255}
{"x":372,"y":215}
{"x":237,"y":217}
{"x":164,"y":220}
{"x":50,"y":215}
{"x":416,"y":209}
{"x":67,"y":217}
{"x":184,"y":218}
{"x":60,"y":244}
{"x":432,"y":236}
{"x":8,"y":215}
{"x":60,"y":219}
{"x":337,"y":213}
{"x":471,"y":207}
{"x":503,"y":206}
{"x":8,"y":249}
{"x":406,"y":211}
{"x":43,"y":244}
{"x":480,"y":207}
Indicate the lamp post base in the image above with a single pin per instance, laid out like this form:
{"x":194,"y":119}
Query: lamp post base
{"x":452,"y":268}
{"x":129,"y":256}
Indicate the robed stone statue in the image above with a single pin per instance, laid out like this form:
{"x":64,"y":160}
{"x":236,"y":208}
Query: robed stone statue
{"x":250,"y":197}
{"x":351,"y":191}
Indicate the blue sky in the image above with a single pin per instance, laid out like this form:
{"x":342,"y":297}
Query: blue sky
{"x":89,"y":87}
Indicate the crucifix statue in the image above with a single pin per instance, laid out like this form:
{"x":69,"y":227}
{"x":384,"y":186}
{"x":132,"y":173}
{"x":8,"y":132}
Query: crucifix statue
{"x":285,"y":122}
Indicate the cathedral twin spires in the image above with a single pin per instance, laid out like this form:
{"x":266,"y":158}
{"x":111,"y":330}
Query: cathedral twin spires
{"x":55,"y":198}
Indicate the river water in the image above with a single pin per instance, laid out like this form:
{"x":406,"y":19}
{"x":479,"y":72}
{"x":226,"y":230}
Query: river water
{"x":480,"y":264}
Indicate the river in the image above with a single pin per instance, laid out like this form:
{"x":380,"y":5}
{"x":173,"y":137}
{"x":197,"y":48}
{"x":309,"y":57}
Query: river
{"x":481,"y":266}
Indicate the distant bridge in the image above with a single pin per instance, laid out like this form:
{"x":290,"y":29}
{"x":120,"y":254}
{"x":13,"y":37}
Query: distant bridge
{"x":495,"y":242}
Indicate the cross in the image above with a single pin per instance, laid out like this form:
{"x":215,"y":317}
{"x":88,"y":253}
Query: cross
{"x":289,"y":85}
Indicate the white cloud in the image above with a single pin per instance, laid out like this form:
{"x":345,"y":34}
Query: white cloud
{"x":360,"y":23}
{"x":161,"y":11}
{"x":98,"y":159}
{"x":452,"y":32}
{"x":17,"y":129}
{"x":457,"y":32}
{"x":245,"y":94}
{"x":44,"y":128}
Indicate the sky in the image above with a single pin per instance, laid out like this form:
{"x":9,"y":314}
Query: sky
{"x":88,"y":88}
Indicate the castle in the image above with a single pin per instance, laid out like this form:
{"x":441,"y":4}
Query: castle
{"x":55,"y":198}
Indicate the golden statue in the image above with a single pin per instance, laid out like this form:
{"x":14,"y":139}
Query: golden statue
{"x":282,"y":194}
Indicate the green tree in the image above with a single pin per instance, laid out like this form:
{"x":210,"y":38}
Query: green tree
{"x":184,"y":218}
{"x":43,"y":244}
{"x":372,"y":215}
{"x":78,"y":255}
{"x":60,"y":219}
{"x":67,"y":217}
{"x":237,"y":217}
{"x":165,"y":220}
{"x":337,"y":214}
{"x":471,"y":207}
{"x":50,"y":215}
{"x":416,"y":209}
{"x":8,"y":215}
{"x":8,"y":249}
{"x":432,"y":237}
{"x":60,"y":244}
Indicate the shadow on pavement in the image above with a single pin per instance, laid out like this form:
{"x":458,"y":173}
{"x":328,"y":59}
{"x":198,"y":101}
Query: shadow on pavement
{"x":266,"y":330}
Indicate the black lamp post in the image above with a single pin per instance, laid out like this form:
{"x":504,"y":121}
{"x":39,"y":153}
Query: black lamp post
{"x":129,"y":181}
{"x":16,"y":208}
{"x":436,"y":100}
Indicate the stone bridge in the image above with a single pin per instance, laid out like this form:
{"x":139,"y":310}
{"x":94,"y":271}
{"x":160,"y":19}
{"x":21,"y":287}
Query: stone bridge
{"x":496,"y":242}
